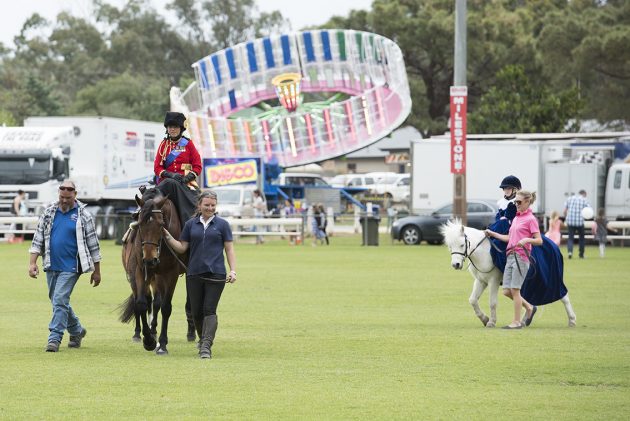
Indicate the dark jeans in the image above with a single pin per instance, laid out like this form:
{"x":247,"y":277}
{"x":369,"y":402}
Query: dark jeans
{"x":204,"y":295}
{"x":580,"y":232}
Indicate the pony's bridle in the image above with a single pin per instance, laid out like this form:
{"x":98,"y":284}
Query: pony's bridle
{"x":467,"y":255}
{"x":158,"y":245}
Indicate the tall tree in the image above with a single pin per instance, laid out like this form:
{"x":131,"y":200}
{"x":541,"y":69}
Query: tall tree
{"x":516,"y":105}
{"x":585,"y":45}
{"x":228,"y":22}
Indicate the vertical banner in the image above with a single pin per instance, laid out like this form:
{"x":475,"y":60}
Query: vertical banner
{"x":459,"y":100}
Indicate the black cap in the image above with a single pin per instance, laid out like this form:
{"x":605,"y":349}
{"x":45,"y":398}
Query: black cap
{"x":174,"y":119}
{"x":510,"y":181}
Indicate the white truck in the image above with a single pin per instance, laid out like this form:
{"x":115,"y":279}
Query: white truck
{"x":556,"y":166}
{"x":108,"y":158}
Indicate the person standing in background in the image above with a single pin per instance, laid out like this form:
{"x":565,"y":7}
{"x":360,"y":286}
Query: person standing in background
{"x":574,"y":220}
{"x":18,"y":208}
{"x":600,"y":230}
{"x":553,"y":233}
{"x":259,"y":211}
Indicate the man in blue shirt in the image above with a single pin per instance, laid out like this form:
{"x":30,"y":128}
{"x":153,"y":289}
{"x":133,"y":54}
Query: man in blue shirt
{"x":574,"y":220}
{"x":67,"y":238}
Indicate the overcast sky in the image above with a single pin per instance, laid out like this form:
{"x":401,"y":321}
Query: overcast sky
{"x":300,"y":13}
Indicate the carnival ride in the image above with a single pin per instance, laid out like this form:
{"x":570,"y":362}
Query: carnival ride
{"x":296,"y":98}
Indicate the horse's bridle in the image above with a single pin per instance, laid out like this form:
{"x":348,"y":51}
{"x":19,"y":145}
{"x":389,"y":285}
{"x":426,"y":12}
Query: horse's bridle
{"x":467,"y":255}
{"x":159,"y":243}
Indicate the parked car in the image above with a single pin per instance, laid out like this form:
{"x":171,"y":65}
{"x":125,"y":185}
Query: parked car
{"x":354,"y":180}
{"x":417,"y":228}
{"x":235,"y":200}
{"x":300,"y":179}
{"x":394,"y":189}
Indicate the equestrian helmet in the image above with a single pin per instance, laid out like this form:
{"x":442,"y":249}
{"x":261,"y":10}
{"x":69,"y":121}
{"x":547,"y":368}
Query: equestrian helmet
{"x":510,"y":181}
{"x":174,"y":119}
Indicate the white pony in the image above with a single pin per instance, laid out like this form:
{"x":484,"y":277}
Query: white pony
{"x":470,"y":243}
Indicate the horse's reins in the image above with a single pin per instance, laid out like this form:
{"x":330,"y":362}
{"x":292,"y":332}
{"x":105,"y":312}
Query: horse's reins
{"x":159,"y":245}
{"x":467,"y":255}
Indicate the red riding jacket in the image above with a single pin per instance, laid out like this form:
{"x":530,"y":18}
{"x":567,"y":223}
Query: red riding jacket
{"x":187,"y":155}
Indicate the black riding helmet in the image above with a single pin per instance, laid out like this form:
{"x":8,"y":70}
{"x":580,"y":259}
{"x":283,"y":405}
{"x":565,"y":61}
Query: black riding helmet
{"x":174,"y":119}
{"x":510,"y":181}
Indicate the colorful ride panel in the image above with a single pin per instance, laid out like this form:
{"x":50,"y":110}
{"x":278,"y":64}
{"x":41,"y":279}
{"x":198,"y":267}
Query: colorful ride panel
{"x":367,"y":67}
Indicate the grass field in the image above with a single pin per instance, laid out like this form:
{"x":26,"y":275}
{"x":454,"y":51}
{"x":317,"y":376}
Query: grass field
{"x":339,"y":332}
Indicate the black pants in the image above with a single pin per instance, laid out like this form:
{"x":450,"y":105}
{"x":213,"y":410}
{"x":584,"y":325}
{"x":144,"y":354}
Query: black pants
{"x":185,"y":199}
{"x":580,"y":232}
{"x":204,"y":295}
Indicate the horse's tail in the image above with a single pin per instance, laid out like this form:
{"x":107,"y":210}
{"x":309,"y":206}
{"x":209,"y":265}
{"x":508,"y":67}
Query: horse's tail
{"x":127,"y":309}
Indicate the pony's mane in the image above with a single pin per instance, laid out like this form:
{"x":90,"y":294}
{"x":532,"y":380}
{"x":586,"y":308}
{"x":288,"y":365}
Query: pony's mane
{"x":147,"y":208}
{"x":451,"y":231}
{"x":151,"y":193}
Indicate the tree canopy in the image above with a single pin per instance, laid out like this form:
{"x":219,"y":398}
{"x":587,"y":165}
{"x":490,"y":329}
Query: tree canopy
{"x":532,"y":65}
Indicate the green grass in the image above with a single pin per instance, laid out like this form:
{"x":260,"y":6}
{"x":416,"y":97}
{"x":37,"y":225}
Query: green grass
{"x":339,"y":332}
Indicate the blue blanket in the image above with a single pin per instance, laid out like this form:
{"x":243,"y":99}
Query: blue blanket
{"x":544,"y":282}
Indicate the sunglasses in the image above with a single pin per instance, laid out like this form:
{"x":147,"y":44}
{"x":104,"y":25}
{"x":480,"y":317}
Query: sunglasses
{"x":518,"y":202}
{"x":63,"y":188}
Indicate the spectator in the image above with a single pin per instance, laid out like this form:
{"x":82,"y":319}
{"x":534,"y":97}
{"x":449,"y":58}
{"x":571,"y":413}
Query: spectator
{"x":553,"y":233}
{"x":600,"y":230}
{"x":574,"y":220}
{"x":259,"y":211}
{"x":66,"y":239}
{"x":318,"y":234}
{"x":18,"y":208}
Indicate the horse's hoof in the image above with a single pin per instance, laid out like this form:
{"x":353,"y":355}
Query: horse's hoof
{"x":491,"y":324}
{"x":136,"y":338}
{"x":572,"y":323}
{"x":191,"y":337}
{"x":161,"y":351}
{"x":149,"y":345}
{"x":484,"y":320}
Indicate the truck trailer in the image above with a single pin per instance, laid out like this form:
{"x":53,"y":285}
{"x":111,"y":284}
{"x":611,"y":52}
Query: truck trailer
{"x":108,"y":158}
{"x":555,"y":166}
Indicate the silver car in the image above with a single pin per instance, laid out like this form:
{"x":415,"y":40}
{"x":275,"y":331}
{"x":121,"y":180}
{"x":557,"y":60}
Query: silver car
{"x":417,"y":228}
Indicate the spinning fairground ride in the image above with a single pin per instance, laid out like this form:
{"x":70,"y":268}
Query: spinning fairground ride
{"x":298,"y":98}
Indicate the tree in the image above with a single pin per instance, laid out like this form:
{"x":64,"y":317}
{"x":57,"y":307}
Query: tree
{"x":585,"y":45}
{"x":126,"y":96}
{"x":230,"y":22}
{"x":515,"y":105}
{"x":424,"y":32}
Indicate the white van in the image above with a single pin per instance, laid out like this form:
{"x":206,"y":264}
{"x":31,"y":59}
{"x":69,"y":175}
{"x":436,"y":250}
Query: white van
{"x":618,"y":192}
{"x":300,"y":179}
{"x":235,"y":200}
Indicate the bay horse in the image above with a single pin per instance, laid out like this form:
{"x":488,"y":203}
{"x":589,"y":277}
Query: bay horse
{"x":472,"y":244}
{"x":152,"y":270}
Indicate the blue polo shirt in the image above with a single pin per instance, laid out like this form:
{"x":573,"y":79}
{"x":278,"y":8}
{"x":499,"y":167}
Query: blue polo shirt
{"x":206,"y":245}
{"x":63,"y":241}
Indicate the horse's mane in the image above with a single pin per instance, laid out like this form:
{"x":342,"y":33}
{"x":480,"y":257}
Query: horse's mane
{"x":452,"y":230}
{"x":150,"y":197}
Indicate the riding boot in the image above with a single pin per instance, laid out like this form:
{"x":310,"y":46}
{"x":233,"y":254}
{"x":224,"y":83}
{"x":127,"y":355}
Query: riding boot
{"x":191,"y":334}
{"x":210,"y":324}
{"x":199,"y":328}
